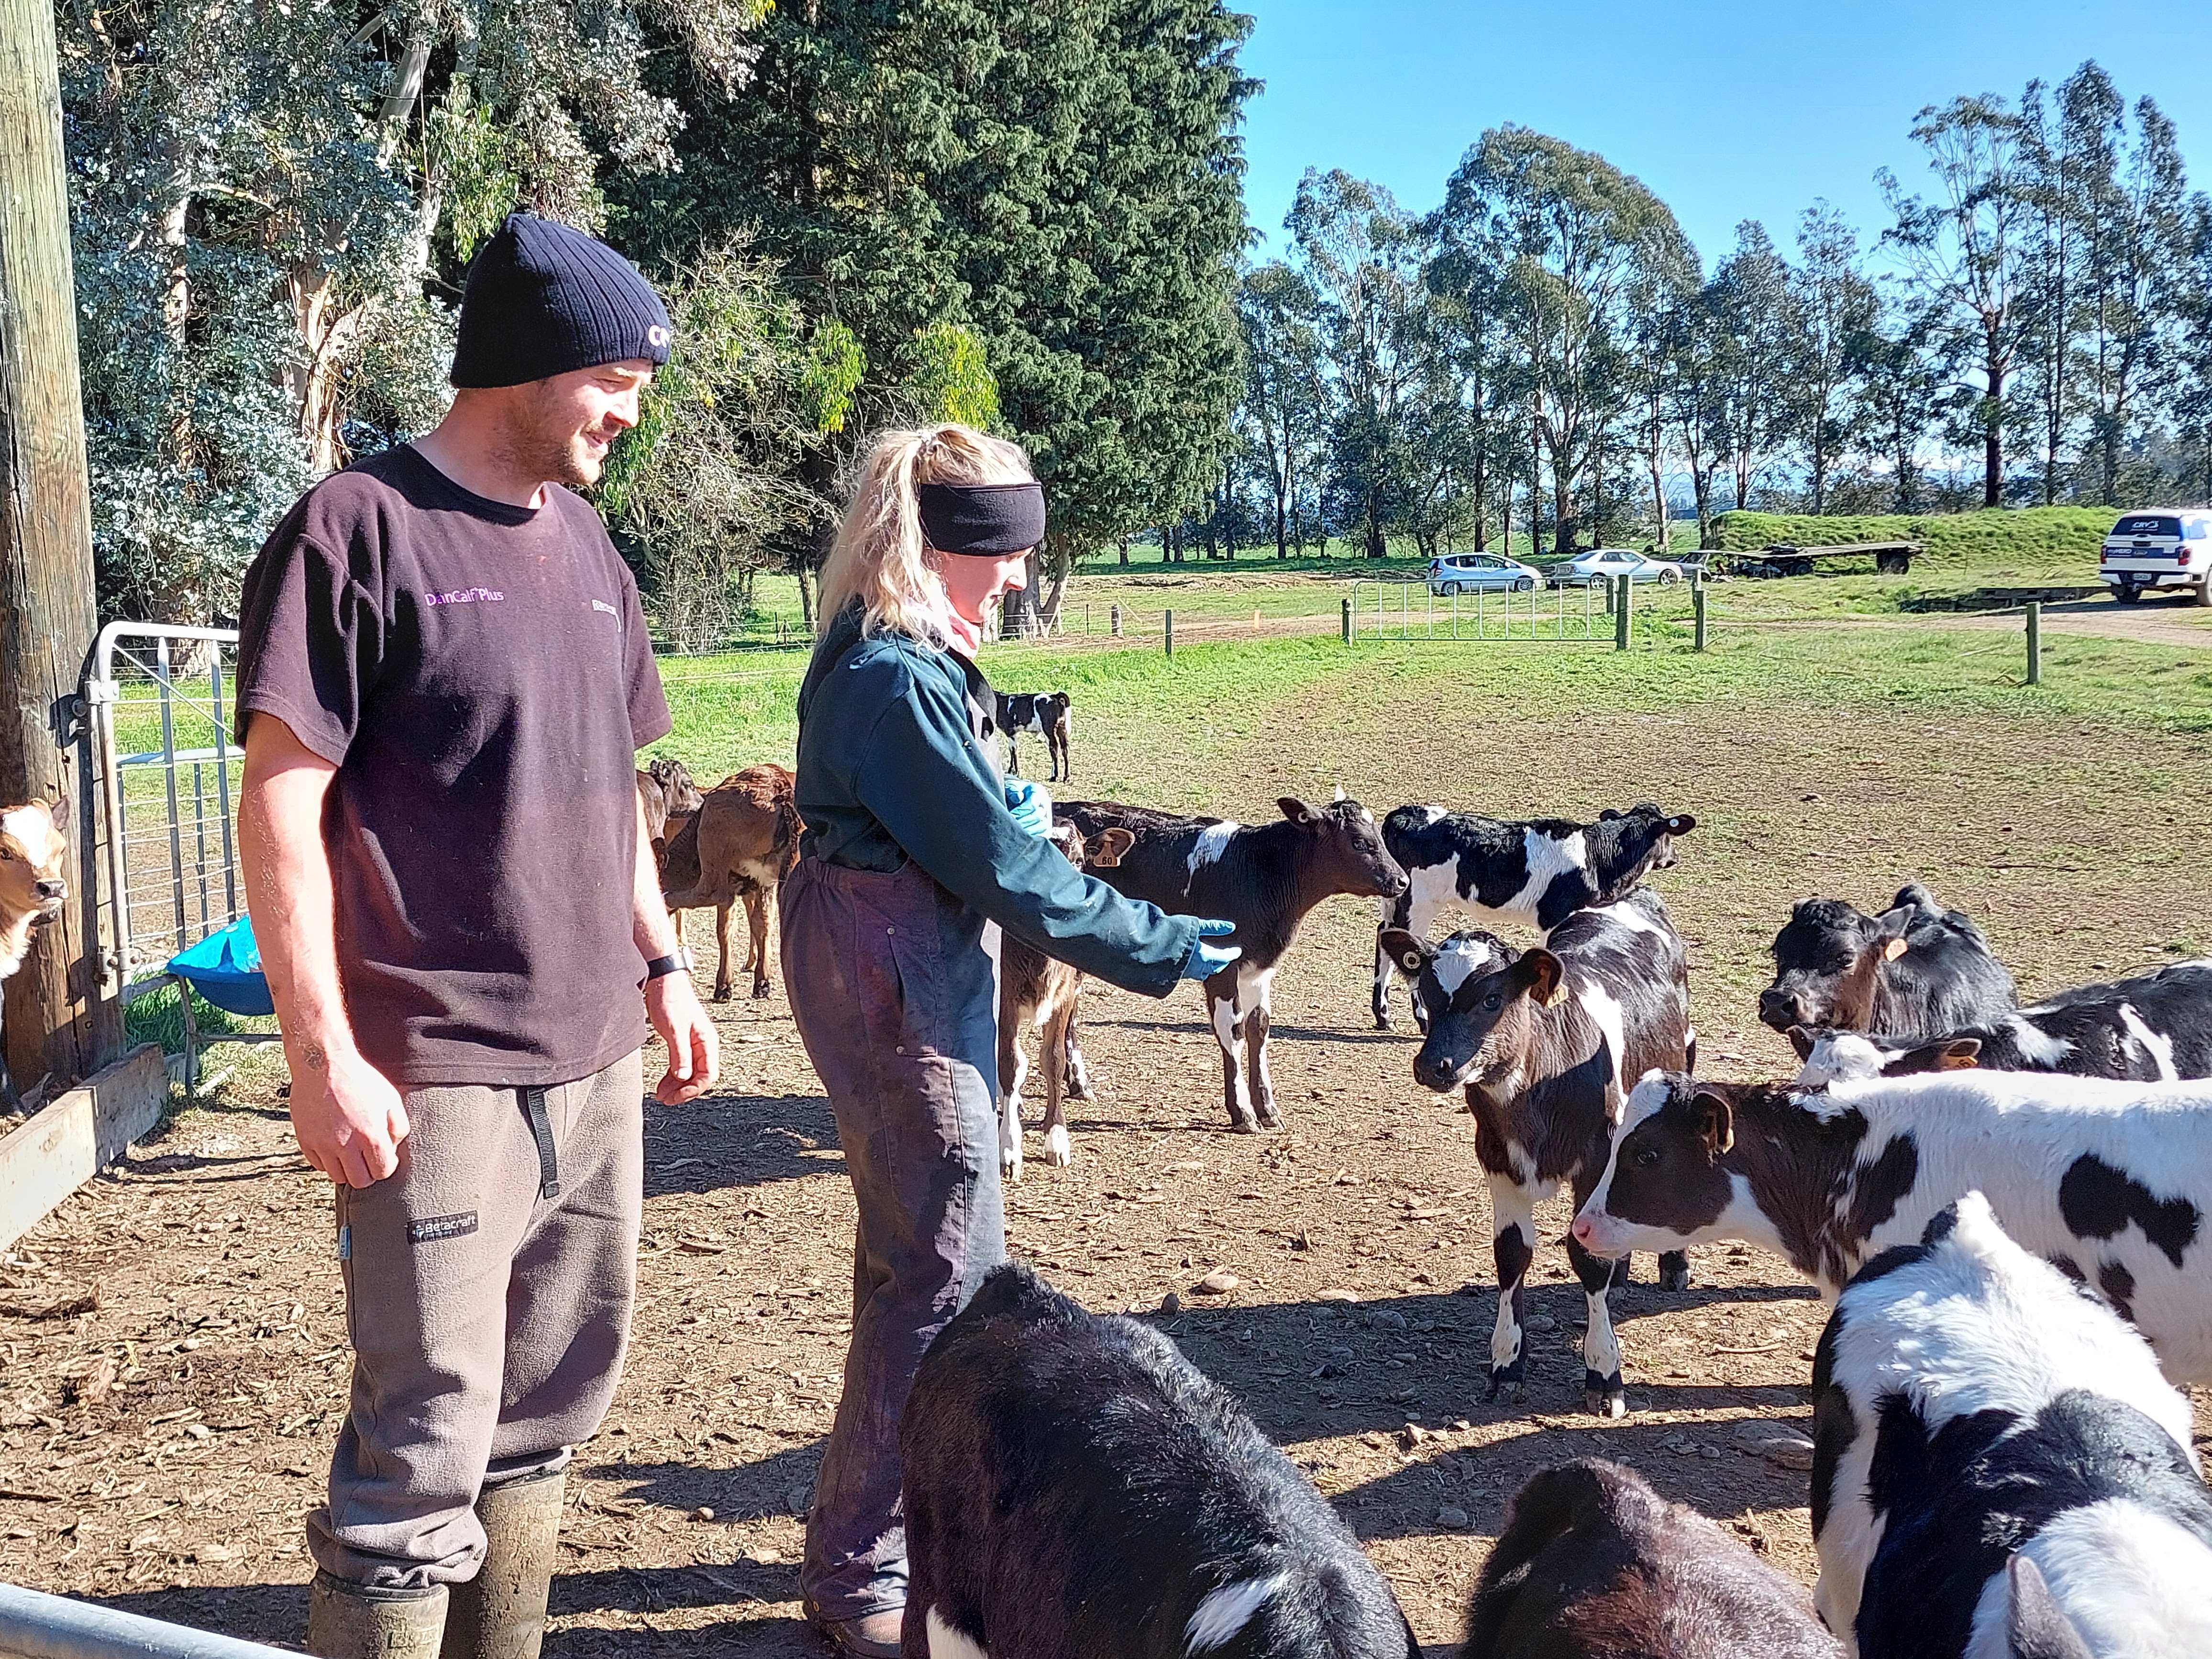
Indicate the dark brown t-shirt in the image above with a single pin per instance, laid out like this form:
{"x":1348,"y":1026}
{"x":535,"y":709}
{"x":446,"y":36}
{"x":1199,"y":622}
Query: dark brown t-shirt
{"x":481,"y":677}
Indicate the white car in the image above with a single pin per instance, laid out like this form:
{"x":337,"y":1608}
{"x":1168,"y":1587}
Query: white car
{"x":1473,"y":573}
{"x":1603,"y":564}
{"x":2165,"y":547}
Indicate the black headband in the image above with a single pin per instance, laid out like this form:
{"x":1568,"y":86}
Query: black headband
{"x":982,"y":519}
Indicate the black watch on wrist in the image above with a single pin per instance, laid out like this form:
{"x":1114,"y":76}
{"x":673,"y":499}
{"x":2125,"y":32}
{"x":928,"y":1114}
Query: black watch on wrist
{"x":661,"y":967}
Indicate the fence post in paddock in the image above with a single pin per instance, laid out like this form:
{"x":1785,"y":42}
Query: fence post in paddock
{"x":54,"y":1627}
{"x":1167,"y":631}
{"x":2035,"y":642}
{"x":1697,"y":604}
{"x":1621,"y":617}
{"x":1347,"y":622}
{"x":1113,"y":623}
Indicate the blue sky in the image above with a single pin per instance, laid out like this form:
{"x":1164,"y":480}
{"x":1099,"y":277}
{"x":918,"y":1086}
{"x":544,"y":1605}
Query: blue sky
{"x":1727,"y":111}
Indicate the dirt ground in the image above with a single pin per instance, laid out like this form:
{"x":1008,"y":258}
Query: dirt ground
{"x":173,"y":1359}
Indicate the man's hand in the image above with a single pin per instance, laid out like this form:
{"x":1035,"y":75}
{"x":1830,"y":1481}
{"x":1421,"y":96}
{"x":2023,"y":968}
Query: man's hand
{"x":348,"y":1117}
{"x":695,"y":1053}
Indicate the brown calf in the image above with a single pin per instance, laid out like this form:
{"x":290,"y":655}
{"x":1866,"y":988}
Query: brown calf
{"x":668,"y":796}
{"x":33,"y":885}
{"x":742,"y":841}
{"x":1035,"y":991}
{"x":1595,"y":1564}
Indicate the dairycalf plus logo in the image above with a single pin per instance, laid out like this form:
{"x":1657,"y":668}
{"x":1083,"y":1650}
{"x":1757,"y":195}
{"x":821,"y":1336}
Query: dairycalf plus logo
{"x":601,"y":605}
{"x":465,"y":596}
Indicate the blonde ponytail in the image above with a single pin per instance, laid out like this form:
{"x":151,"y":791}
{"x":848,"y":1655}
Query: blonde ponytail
{"x":880,"y":556}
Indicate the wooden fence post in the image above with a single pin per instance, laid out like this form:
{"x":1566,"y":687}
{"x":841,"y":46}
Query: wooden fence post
{"x":1167,"y":631}
{"x":2034,"y":642}
{"x":1621,"y":616}
{"x":1698,"y":604}
{"x":60,"y":1024}
{"x":1347,"y":622}
{"x":1114,"y":620}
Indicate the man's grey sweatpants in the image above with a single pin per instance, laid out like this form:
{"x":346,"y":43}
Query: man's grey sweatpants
{"x":488,"y":1316}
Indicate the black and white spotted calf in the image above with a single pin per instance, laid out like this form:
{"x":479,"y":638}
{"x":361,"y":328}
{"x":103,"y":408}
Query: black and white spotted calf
{"x":1916,"y":967}
{"x":2111,"y":1181}
{"x":1998,"y":1467}
{"x":1595,"y":1564}
{"x":1043,"y":714}
{"x":1264,"y":877}
{"x":2154,"y":1027}
{"x":1538,"y":871}
{"x":1074,"y":1487}
{"x":1542,"y":1040}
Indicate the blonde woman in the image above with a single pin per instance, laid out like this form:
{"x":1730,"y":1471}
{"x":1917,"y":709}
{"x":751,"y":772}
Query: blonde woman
{"x":914,"y":853}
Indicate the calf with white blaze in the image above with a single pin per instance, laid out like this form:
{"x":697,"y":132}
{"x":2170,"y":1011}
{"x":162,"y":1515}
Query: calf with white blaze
{"x":1916,"y":967}
{"x":2154,"y":1027}
{"x":1037,"y":992}
{"x":1538,"y":871}
{"x":1595,"y":1564}
{"x":1998,"y":1468}
{"x":1264,"y":877}
{"x":1541,"y":1041}
{"x":2110,"y":1181}
{"x":1074,"y":1488}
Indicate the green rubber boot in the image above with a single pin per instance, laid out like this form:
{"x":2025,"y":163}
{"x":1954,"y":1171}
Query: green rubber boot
{"x":500,"y":1613}
{"x":353,"y":1621}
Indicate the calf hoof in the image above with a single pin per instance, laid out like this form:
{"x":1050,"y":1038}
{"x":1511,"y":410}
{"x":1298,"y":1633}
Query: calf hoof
{"x":1010,"y":1164}
{"x":1244,"y":1125}
{"x":1381,"y":1022}
{"x":1603,"y":1396}
{"x":1057,"y":1152}
{"x":1511,"y":1380}
{"x":760,"y":988}
{"x":1270,"y":1116}
{"x":721,"y":993}
{"x":1674,"y":1273}
{"x":1078,"y":1085}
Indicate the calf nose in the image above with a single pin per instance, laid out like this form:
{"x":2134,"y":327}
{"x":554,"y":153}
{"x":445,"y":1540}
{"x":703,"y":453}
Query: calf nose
{"x":53,"y":889}
{"x":1431,"y":1075}
{"x":1778,"y":1008}
{"x":1582,"y":1229}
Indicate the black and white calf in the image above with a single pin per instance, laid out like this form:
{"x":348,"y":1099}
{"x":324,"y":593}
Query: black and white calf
{"x":2154,"y":1027}
{"x":1074,"y":1487}
{"x":1264,"y":877}
{"x":1538,"y":872}
{"x":1042,"y":713}
{"x":1998,"y":1468}
{"x":1916,"y":967}
{"x":2111,"y":1181}
{"x":1542,"y":1040}
{"x":1595,"y":1564}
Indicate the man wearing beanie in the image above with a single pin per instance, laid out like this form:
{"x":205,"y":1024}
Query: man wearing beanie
{"x":444,"y":679}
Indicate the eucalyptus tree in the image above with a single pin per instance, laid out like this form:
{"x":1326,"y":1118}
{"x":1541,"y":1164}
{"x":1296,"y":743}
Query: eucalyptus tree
{"x":1689,"y":394}
{"x":1903,"y":390}
{"x":1570,"y":235}
{"x":1967,"y":252}
{"x":1834,"y":309}
{"x":1284,"y":417}
{"x":1752,"y":302}
{"x":1367,"y":260}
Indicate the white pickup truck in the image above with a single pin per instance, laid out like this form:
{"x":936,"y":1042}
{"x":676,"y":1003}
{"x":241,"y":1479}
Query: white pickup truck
{"x":2164,"y":547}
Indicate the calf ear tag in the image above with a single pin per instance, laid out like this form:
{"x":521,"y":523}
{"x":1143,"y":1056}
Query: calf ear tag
{"x":1894,"y":948}
{"x":1411,"y":962}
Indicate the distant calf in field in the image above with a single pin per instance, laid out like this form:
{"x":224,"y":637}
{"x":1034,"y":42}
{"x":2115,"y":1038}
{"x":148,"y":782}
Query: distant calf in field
{"x":1595,"y":1564}
{"x":666,"y":791}
{"x":1074,"y":1487}
{"x":33,"y":885}
{"x":742,"y":841}
{"x":1037,"y":993}
{"x":1042,"y":713}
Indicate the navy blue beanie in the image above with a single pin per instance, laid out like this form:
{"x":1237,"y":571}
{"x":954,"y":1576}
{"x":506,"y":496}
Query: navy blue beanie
{"x":544,"y":299}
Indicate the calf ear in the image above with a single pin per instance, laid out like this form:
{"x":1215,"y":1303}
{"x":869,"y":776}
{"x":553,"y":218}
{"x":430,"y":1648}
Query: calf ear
{"x":1960,"y":1055}
{"x":1715,"y":1122}
{"x":1802,"y":1038}
{"x":1295,"y":810}
{"x":1110,"y":848}
{"x":1409,"y":951}
{"x":59,"y":811}
{"x":2037,"y":1627}
{"x":1546,"y":980}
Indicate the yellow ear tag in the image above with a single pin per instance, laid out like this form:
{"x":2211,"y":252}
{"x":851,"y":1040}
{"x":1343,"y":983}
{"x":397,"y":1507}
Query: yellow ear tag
{"x":1894,"y":948}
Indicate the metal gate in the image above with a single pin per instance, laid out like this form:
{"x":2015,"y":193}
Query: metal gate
{"x":1412,"y":610}
{"x":156,"y":742}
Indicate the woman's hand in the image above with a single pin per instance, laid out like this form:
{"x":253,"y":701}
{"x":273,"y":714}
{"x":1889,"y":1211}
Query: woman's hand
{"x":1206,"y":960}
{"x":1030,"y":807}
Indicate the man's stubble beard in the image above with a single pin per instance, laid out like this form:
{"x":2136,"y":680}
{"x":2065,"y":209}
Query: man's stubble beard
{"x":548,"y":449}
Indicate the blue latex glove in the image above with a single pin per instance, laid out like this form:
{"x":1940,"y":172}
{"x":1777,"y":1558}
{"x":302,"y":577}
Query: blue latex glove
{"x":1030,"y":807}
{"x":1207,"y":960}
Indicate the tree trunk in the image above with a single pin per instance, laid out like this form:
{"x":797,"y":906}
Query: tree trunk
{"x":1125,"y":550}
{"x":1480,"y":493}
{"x":1658,"y":492}
{"x":1993,"y":421}
{"x":61,"y":1022}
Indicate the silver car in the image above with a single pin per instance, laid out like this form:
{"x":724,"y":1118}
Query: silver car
{"x":1476,"y":572}
{"x":1604,"y":564}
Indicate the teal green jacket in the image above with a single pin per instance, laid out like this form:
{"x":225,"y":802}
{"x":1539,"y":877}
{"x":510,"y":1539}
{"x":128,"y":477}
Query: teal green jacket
{"x":894,"y":765}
